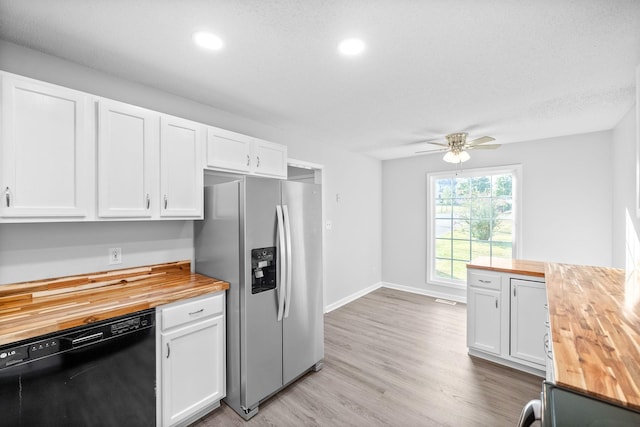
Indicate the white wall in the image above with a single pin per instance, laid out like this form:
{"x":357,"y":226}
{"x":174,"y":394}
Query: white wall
{"x":29,"y":252}
{"x":625,"y":221}
{"x":566,"y":205}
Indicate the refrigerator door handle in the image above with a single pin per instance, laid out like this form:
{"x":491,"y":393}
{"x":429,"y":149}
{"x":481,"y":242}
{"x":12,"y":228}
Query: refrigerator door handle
{"x":287,"y":229}
{"x":282,"y":285}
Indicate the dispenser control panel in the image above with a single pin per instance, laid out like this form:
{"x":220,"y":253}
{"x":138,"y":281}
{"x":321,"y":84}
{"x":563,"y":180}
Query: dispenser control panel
{"x":263,"y":269}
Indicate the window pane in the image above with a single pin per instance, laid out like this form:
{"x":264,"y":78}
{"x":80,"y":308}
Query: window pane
{"x":443,"y":248}
{"x":481,"y":229}
{"x":444,"y":228}
{"x":502,"y":185}
{"x":443,"y":268}
{"x":461,"y":187}
{"x":502,"y":249}
{"x":443,"y":188}
{"x":480,"y":186}
{"x":503,"y":231}
{"x":481,"y":208}
{"x":460,"y":208}
{"x":461,"y":229}
{"x":461,"y":250}
{"x":480,"y":248}
{"x":460,"y":270}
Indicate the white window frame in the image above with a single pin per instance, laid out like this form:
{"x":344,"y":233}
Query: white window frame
{"x":515,"y":170}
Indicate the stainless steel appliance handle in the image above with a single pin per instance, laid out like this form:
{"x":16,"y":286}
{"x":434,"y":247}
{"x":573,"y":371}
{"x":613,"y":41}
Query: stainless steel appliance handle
{"x":287,"y":229}
{"x":7,"y":195}
{"x":282,"y":285}
{"x":530,"y":413}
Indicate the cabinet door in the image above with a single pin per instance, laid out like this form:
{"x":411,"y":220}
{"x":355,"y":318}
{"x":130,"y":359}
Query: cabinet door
{"x":228,"y":150}
{"x":528,"y":315}
{"x":483,"y":319}
{"x":181,"y":168}
{"x":127,"y":159}
{"x":45,"y":153}
{"x":193,"y":369}
{"x":270,"y":159}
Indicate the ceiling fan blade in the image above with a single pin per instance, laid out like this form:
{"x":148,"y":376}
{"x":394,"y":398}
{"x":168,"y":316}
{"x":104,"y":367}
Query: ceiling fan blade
{"x":432,"y":151}
{"x":480,"y":140}
{"x":442,"y":144}
{"x":484,"y":147}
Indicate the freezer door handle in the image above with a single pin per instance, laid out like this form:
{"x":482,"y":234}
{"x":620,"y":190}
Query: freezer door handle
{"x":287,"y":229}
{"x":282,"y":283}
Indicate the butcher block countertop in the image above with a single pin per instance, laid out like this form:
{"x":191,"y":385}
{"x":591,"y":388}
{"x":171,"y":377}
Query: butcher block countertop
{"x":31,"y":309}
{"x":514,"y":266}
{"x":595,"y":327}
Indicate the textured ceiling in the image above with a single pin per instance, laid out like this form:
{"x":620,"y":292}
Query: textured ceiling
{"x":513,"y":69}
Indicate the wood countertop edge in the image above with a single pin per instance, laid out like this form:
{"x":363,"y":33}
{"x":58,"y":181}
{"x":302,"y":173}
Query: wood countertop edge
{"x":43,"y":307}
{"x":513,"y":266}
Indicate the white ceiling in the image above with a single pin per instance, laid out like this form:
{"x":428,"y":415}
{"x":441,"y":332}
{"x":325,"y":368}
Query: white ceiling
{"x":513,"y":69}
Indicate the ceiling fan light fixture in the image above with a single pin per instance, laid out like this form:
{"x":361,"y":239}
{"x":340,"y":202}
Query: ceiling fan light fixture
{"x":459,"y":157}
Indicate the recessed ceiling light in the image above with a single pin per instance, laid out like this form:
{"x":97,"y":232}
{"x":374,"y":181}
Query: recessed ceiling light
{"x":351,"y":47}
{"x":207,"y":40}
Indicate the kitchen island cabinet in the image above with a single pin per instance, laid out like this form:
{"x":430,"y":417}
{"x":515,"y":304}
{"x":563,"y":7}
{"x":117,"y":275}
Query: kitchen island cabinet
{"x":506,"y":313}
{"x":484,"y":305}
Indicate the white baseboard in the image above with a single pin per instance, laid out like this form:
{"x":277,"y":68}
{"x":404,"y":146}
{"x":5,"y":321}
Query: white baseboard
{"x":426,"y":292}
{"x":363,"y":292}
{"x":352,"y":297}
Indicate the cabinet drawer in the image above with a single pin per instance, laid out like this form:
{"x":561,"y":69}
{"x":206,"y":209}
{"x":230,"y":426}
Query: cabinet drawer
{"x":484,"y":280}
{"x":190,"y":310}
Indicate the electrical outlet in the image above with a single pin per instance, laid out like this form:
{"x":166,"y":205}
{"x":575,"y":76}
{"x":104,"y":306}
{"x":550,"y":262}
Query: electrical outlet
{"x":115,"y":256}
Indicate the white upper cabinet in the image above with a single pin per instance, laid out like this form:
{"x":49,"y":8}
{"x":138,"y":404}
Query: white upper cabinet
{"x":181,"y":186}
{"x":228,"y":150}
{"x":45,"y":152}
{"x":127,"y":160}
{"x":235,"y":152}
{"x":270,"y":158}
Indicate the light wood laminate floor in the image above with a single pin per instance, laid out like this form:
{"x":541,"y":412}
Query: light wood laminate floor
{"x":396,"y":359}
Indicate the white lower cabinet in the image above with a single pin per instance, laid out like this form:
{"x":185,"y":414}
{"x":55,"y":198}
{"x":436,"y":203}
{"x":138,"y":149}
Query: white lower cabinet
{"x":528,"y":316}
{"x":506,"y":316}
{"x":484,"y":323}
{"x":191,"y":359}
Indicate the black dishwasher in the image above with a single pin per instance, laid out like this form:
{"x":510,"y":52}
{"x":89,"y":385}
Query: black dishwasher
{"x":102,"y":374}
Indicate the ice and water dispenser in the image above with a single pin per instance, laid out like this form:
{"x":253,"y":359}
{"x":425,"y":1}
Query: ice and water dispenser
{"x":263,"y":269}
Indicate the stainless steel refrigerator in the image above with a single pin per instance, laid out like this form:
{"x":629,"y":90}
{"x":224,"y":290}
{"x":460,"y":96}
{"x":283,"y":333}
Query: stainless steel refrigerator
{"x":264,"y":237}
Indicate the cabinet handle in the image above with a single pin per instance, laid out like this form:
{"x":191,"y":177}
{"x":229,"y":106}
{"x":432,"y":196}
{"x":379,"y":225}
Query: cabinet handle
{"x":514,"y":292}
{"x":148,"y":201}
{"x":248,"y":160}
{"x":196,"y":312}
{"x":484,"y":281}
{"x":168,"y":350}
{"x":258,"y":164}
{"x":496,"y":302}
{"x":165,"y":201}
{"x":7,"y":195}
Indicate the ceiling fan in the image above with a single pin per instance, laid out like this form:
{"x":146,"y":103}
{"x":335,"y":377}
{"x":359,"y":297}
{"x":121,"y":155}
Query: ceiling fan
{"x":457,"y":146}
